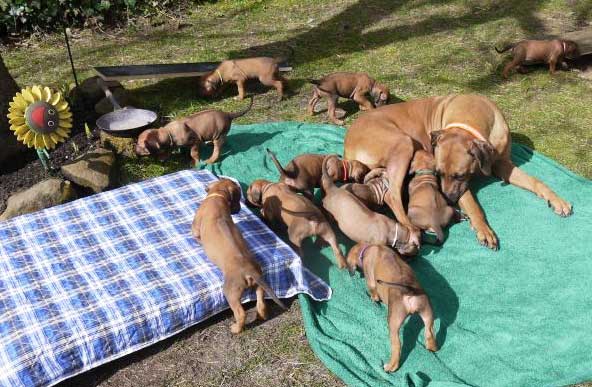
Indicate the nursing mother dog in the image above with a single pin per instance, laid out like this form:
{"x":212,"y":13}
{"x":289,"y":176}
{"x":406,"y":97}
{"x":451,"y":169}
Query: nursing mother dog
{"x":468,"y":135}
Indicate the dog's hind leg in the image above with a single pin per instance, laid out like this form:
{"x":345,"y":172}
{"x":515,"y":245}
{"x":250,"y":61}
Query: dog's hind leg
{"x":261,"y":306}
{"x":507,"y":171}
{"x":218,"y":144}
{"x":312,"y":103}
{"x":396,"y":316}
{"x":233,"y":296}
{"x":427,"y":315}
{"x":327,"y":234}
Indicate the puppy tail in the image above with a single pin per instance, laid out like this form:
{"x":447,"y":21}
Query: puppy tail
{"x":407,"y":289}
{"x":257,"y":279}
{"x":506,"y":48}
{"x":277,"y":164}
{"x":232,"y":116}
{"x":326,"y":180}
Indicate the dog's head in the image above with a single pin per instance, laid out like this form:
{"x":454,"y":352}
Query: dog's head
{"x":209,"y":84}
{"x":358,"y":171}
{"x":457,"y":158}
{"x":228,"y":189}
{"x":571,"y":49}
{"x":150,"y":143}
{"x":422,"y":160}
{"x":255,"y":192}
{"x":380,"y":93}
{"x":335,"y":167}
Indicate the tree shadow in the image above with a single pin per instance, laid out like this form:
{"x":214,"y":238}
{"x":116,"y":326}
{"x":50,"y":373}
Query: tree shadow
{"x":346,"y":31}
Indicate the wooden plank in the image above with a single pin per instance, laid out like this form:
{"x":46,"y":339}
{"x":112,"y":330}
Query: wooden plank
{"x":583,"y":38}
{"x":161,"y":71}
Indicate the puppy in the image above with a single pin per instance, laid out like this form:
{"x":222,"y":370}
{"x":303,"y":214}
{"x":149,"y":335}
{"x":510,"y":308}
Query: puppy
{"x":427,"y":209}
{"x":238,"y":71}
{"x":392,"y":281}
{"x":356,"y":86}
{"x":373,"y":193}
{"x":226,"y":248}
{"x":282,"y":206}
{"x":361,"y":224}
{"x":208,"y":125}
{"x":304,"y":172}
{"x":551,"y":52}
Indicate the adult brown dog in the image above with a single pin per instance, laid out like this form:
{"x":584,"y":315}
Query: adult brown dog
{"x":356,"y":86}
{"x":304,"y":172}
{"x":427,"y":208}
{"x":359,"y":223}
{"x":208,"y":125}
{"x":373,"y":193}
{"x":282,"y":206}
{"x":238,"y":71}
{"x":226,"y":248}
{"x":552,"y":52}
{"x":392,"y":281}
{"x":469,"y":135}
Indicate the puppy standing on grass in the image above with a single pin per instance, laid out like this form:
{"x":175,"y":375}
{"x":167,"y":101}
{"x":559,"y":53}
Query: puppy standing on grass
{"x":356,"y":86}
{"x":392,"y":281}
{"x":238,"y":71}
{"x":304,"y":172}
{"x":282,"y":206}
{"x":427,"y":209}
{"x":361,"y":224}
{"x":226,"y":248}
{"x":552,"y":52}
{"x":208,"y":125}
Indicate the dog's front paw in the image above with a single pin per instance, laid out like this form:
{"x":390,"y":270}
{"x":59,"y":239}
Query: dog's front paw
{"x":236,"y":328}
{"x":391,"y":366}
{"x":561,"y":207}
{"x":486,"y":236}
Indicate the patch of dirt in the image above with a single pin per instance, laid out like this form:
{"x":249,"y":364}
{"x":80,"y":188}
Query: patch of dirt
{"x":584,"y":65}
{"x":271,"y":353}
{"x":28,"y":170}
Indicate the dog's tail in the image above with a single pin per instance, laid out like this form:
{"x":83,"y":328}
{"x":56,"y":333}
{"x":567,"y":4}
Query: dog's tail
{"x":506,"y":48}
{"x":259,"y":281}
{"x":326,"y":180}
{"x":232,"y":116}
{"x":277,"y":164}
{"x":408,"y":289}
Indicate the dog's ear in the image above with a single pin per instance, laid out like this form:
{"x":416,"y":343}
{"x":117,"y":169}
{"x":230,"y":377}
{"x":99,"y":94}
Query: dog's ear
{"x":235,"y":195}
{"x":254,"y":194}
{"x":435,"y":137}
{"x":483,"y":152}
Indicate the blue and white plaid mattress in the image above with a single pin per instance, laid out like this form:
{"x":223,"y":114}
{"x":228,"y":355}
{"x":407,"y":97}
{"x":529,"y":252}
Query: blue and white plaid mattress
{"x":87,"y":282}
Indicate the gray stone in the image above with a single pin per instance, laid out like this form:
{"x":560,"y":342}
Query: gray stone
{"x":121,"y":145}
{"x":45,"y":194}
{"x":94,"y":170}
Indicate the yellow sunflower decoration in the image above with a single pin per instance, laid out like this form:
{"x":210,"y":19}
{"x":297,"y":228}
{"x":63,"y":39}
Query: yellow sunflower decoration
{"x":39,"y":117}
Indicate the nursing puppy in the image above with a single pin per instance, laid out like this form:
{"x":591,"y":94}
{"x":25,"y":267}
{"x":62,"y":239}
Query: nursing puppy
{"x":356,"y":86}
{"x":304,"y":172}
{"x":208,"y":125}
{"x":361,"y":224}
{"x":427,"y":208}
{"x":238,"y":71}
{"x":551,"y":52}
{"x":226,"y":248}
{"x":373,"y":193}
{"x":392,"y":281}
{"x":281,"y":206}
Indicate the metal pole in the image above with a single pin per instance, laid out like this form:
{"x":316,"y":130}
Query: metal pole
{"x":70,"y":56}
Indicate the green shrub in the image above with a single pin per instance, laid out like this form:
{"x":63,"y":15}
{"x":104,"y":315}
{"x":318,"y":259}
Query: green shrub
{"x":20,"y":16}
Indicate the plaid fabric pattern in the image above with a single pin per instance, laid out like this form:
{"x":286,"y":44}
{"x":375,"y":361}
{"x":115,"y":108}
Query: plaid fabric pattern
{"x":98,"y":278}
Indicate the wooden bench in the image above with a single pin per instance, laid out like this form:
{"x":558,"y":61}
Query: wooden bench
{"x":161,"y":71}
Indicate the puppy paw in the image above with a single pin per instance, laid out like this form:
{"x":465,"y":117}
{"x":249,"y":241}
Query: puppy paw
{"x":236,"y":328}
{"x":210,"y":161}
{"x":262,"y":315}
{"x":486,"y":237}
{"x":338,"y":122}
{"x":561,"y":207}
{"x":431,"y":345}
{"x":390,"y":367}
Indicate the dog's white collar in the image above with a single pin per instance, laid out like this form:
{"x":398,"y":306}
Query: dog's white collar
{"x":396,"y":235}
{"x":220,"y":75}
{"x":467,"y":128}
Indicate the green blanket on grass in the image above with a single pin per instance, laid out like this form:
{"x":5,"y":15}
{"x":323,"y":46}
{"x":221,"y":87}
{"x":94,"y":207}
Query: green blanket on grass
{"x":521,"y":316}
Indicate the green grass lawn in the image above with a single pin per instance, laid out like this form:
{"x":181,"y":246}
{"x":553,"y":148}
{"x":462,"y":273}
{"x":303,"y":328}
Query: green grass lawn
{"x":418,"y":48}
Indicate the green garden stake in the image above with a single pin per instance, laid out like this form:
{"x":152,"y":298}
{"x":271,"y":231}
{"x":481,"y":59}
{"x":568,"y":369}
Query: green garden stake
{"x":43,"y":157}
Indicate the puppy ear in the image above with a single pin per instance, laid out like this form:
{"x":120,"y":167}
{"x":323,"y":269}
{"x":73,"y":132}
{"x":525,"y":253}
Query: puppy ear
{"x":255,"y":195}
{"x":235,"y":195}
{"x":483,"y":152}
{"x":207,"y":188}
{"x":435,"y":137}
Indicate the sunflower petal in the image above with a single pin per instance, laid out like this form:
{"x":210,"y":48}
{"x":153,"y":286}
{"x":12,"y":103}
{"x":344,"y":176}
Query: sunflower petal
{"x":62,"y":106}
{"x":36,"y":91}
{"x":46,"y":94}
{"x":48,"y":142}
{"x":14,"y":114}
{"x":20,"y":101}
{"x":19,"y":129}
{"x":65,"y":114}
{"x":39,"y":141}
{"x":65,"y":125}
{"x":62,"y":132}
{"x":28,"y":96}
{"x":28,"y":138}
{"x":57,"y":97}
{"x":16,"y":120}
